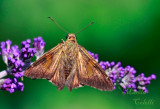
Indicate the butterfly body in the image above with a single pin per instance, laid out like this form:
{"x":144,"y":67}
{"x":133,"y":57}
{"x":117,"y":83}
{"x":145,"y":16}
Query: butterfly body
{"x":70,"y":64}
{"x":70,"y":54}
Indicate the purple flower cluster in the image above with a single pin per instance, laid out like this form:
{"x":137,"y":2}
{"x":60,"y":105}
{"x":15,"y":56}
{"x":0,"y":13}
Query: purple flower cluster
{"x":125,"y":77}
{"x":26,"y":52}
{"x":10,"y":56}
{"x":12,"y":84}
{"x":15,"y":67}
{"x":17,"y":61}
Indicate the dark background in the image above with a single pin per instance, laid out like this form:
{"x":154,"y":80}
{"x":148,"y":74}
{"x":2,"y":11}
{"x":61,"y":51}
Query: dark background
{"x":124,"y":30}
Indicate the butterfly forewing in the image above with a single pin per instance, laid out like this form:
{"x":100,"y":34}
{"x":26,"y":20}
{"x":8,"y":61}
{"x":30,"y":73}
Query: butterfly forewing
{"x":49,"y":66}
{"x":90,"y":72}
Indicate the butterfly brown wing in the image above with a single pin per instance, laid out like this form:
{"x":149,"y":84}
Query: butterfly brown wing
{"x":90,"y":73}
{"x":49,"y":66}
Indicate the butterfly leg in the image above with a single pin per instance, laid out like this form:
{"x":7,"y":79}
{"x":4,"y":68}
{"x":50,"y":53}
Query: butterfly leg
{"x":62,"y":40}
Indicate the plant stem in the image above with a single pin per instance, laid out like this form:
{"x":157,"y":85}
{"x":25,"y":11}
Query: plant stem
{"x":3,"y":73}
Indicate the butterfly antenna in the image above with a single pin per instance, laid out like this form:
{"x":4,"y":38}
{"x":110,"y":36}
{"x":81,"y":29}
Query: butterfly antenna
{"x":58,"y":25}
{"x":85,"y":28}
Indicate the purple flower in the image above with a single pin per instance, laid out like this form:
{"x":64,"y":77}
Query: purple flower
{"x":39,"y":45}
{"x":26,"y":51}
{"x":17,"y":61}
{"x":125,"y":77}
{"x":11,"y":85}
{"x":6,"y":51}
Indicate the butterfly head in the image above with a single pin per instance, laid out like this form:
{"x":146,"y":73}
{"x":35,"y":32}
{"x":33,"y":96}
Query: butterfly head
{"x":71,"y":37}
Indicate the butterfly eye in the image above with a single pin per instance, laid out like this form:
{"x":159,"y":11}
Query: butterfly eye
{"x":67,"y":37}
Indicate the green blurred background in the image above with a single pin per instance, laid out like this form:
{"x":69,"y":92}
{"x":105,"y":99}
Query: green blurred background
{"x":124,"y":30}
